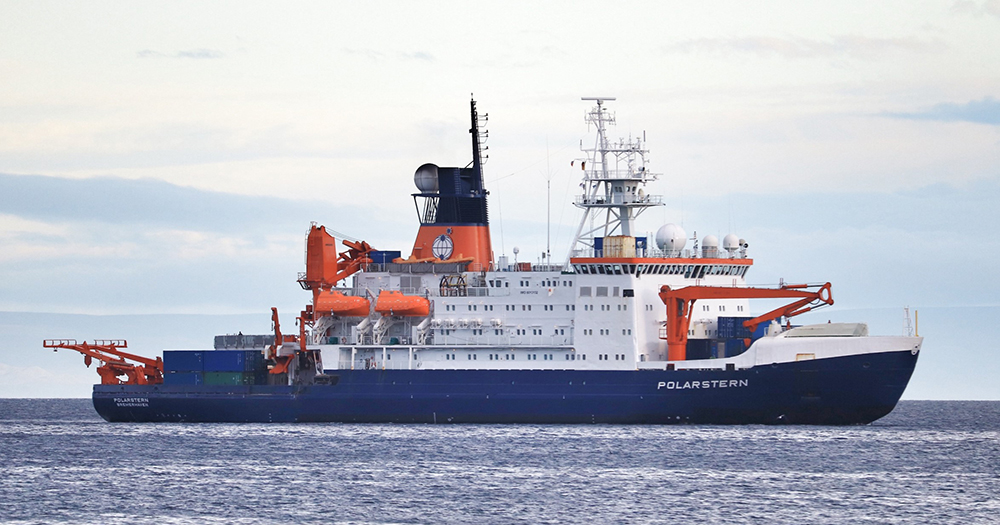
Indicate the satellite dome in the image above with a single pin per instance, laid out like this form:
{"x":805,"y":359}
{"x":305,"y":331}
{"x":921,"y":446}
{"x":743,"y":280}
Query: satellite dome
{"x":731,"y":243}
{"x":671,"y":238}
{"x":426,"y":178}
{"x":710,"y":246}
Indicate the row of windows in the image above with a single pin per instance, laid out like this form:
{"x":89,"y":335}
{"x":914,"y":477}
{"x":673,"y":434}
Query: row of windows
{"x":530,"y":357}
{"x":689,"y":271}
{"x":722,"y":308}
{"x":602,"y":291}
{"x":513,"y":357}
{"x":524,"y":283}
{"x":499,"y":331}
{"x":604,"y":357}
{"x":512,"y":307}
{"x":605,"y":331}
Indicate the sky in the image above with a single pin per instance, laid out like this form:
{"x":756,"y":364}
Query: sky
{"x":166,"y":158}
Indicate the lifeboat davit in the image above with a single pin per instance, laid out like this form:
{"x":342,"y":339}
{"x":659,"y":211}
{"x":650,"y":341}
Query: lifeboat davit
{"x":394,"y":302}
{"x":341,"y":305}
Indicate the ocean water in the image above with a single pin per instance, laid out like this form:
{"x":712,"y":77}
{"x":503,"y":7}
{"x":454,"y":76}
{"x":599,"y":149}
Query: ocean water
{"x":927,"y":462}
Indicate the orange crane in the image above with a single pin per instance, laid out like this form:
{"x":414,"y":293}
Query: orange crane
{"x":282,"y":362}
{"x":114,"y":361}
{"x":680,"y":302}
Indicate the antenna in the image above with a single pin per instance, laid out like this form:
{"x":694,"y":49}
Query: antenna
{"x":548,"y":204}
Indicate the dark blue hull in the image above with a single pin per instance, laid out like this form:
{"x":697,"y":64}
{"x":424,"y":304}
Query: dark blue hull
{"x":839,"y":391}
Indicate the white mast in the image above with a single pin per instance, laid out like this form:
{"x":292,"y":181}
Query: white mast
{"x":614,"y":176}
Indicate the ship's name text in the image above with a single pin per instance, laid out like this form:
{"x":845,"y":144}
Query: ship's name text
{"x":132,"y":401}
{"x":713,"y":383}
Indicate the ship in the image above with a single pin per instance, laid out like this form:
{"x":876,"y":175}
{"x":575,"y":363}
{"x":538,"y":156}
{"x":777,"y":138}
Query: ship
{"x":631,"y":328}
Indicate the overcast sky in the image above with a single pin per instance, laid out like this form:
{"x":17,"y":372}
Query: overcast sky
{"x":168,"y":157}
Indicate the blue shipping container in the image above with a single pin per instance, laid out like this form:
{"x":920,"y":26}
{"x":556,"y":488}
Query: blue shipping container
{"x":735,"y":347}
{"x":699,"y":349}
{"x":183,"y":378}
{"x":234,"y":361}
{"x":384,"y":256}
{"x":183,"y":361}
{"x":730,"y":327}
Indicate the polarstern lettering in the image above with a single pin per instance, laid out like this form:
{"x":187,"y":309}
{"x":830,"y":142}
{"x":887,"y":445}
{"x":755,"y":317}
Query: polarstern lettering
{"x":131,"y":402}
{"x":712,"y":383}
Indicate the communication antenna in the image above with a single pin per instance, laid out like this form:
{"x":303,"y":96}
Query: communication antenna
{"x":548,"y":204}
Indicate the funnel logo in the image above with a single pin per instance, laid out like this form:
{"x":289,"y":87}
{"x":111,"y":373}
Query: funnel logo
{"x":442,"y":247}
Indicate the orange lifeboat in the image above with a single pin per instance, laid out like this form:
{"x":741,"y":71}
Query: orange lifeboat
{"x":394,"y":302}
{"x":340,"y":304}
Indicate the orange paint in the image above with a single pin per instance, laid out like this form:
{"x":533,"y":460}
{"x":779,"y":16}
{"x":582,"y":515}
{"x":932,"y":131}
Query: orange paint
{"x":324,"y":266}
{"x":321,"y":257}
{"x":336,"y":303}
{"x":466,"y":242}
{"x":393,"y":302}
{"x":680,"y":303}
{"x":114,"y":362}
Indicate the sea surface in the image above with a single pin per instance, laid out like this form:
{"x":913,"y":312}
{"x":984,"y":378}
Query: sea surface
{"x":927,"y":462}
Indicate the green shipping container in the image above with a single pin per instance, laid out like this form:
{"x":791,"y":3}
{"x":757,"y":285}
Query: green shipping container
{"x":230,"y":378}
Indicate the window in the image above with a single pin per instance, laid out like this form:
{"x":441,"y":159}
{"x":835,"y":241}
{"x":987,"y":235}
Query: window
{"x":584,"y":291}
{"x":602,"y":291}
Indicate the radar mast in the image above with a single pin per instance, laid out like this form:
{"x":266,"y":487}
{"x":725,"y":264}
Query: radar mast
{"x":614,"y":178}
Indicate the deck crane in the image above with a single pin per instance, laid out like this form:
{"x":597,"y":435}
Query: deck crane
{"x":114,"y":362}
{"x":680,"y":302}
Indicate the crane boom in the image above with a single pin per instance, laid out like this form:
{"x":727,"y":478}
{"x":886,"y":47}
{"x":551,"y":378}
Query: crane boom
{"x":115,"y":362}
{"x":680,"y":303}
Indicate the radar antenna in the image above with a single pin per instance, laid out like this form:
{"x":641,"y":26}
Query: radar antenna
{"x":614,"y":175}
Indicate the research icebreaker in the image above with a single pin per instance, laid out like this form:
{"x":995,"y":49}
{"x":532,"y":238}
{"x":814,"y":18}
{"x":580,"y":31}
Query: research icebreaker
{"x":630,"y":328}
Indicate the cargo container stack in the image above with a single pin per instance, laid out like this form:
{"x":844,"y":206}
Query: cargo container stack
{"x":214,"y":367}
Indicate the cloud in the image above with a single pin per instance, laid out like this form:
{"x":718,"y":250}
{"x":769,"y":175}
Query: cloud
{"x":797,"y":47}
{"x":419,"y":55}
{"x":378,"y":56}
{"x":137,"y":202}
{"x":200,"y":53}
{"x":968,"y":7}
{"x":118,"y":245}
{"x":985,"y":111}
